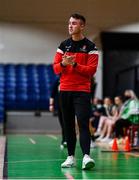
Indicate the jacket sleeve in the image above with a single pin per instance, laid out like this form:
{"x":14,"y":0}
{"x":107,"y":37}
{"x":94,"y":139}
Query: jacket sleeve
{"x":134,"y":107}
{"x":91,"y":67}
{"x":57,"y":66}
{"x":128,"y":110}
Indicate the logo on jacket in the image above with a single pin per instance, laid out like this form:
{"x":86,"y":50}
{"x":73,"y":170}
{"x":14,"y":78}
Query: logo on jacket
{"x":67,"y":48}
{"x":83,"y":49}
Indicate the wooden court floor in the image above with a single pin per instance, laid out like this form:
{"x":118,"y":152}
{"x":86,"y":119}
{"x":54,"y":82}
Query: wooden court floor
{"x":39,"y":157}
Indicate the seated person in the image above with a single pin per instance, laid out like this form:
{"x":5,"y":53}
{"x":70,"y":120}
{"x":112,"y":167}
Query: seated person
{"x":97,"y":110}
{"x":110,"y":110}
{"x":129,"y":114}
{"x":107,"y":129}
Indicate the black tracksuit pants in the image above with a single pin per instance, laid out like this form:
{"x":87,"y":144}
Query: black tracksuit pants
{"x":60,"y":118}
{"x":76,"y":104}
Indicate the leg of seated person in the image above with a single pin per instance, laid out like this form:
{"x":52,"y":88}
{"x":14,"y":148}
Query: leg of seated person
{"x":110,"y":124}
{"x":103,"y":132}
{"x":106,"y":131}
{"x":101,"y":123}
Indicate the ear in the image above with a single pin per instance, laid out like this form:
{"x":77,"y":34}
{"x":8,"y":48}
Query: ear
{"x":82,"y":26}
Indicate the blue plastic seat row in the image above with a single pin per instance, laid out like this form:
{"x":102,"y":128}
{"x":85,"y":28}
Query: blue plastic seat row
{"x":25,"y":87}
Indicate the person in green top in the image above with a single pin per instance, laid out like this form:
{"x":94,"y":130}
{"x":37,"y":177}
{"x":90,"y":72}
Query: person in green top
{"x":129,"y":113}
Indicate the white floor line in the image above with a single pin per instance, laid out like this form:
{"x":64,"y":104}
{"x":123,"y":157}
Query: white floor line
{"x":47,"y":160}
{"x":52,"y":136}
{"x":36,"y":160}
{"x":32,"y":141}
{"x":2,"y":152}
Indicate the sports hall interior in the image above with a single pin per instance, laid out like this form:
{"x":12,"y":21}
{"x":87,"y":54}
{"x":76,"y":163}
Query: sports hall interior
{"x":30,"y":135}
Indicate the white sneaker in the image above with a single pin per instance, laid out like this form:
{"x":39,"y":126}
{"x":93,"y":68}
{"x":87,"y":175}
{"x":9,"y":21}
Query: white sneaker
{"x":69,"y":162}
{"x":92,"y":144}
{"x":106,"y":140}
{"x":87,"y":163}
{"x":97,"y":133}
{"x":99,"y":138}
{"x":63,"y":145}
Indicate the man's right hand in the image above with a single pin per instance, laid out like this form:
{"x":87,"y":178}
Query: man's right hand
{"x":67,"y":60}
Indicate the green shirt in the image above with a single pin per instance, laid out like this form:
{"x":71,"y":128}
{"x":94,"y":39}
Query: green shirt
{"x":130,"y":111}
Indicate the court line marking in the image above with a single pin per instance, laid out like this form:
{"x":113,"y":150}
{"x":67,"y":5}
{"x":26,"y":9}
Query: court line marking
{"x":30,"y":161}
{"x":50,"y":160}
{"x":44,"y":177}
{"x":32,"y":141}
{"x":2,"y":152}
{"x":77,"y":173}
{"x":52,"y":136}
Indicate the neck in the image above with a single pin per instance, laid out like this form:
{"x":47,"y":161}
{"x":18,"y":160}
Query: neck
{"x":77,"y":37}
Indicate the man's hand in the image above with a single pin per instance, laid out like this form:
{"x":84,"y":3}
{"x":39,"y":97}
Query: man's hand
{"x":68,"y":60}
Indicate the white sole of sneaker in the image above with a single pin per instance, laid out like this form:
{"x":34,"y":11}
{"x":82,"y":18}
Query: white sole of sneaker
{"x":68,"y":166}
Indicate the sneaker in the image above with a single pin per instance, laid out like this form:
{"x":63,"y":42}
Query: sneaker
{"x":92,"y":144}
{"x":106,"y":140}
{"x":63,"y":145}
{"x":87,"y":163}
{"x":69,"y":162}
{"x":99,"y":138}
{"x":97,"y":133}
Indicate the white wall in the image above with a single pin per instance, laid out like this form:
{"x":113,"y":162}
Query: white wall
{"x":130,"y":28}
{"x":29,"y":43}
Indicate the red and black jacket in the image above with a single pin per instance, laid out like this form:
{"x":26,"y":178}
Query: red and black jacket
{"x":77,"y":78}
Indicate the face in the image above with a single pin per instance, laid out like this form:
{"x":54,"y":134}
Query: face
{"x":107,"y":101}
{"x":75,"y":26}
{"x":95,"y":101}
{"x":117,"y":100}
{"x":127,"y":93}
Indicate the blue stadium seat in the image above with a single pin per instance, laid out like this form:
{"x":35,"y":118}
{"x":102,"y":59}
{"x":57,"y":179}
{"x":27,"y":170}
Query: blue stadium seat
{"x":25,"y":86}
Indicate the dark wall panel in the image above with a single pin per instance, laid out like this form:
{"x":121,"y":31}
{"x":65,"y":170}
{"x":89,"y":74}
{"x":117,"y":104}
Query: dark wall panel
{"x":120,"y":62}
{"x":125,"y":80}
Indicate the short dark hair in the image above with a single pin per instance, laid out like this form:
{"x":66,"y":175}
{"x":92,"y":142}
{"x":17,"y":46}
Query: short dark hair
{"x":78,"y":16}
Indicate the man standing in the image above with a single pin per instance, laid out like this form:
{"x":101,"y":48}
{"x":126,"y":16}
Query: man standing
{"x":76,"y":61}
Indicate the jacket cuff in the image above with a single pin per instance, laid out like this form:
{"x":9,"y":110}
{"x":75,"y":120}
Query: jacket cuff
{"x":62,"y":65}
{"x":75,"y":64}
